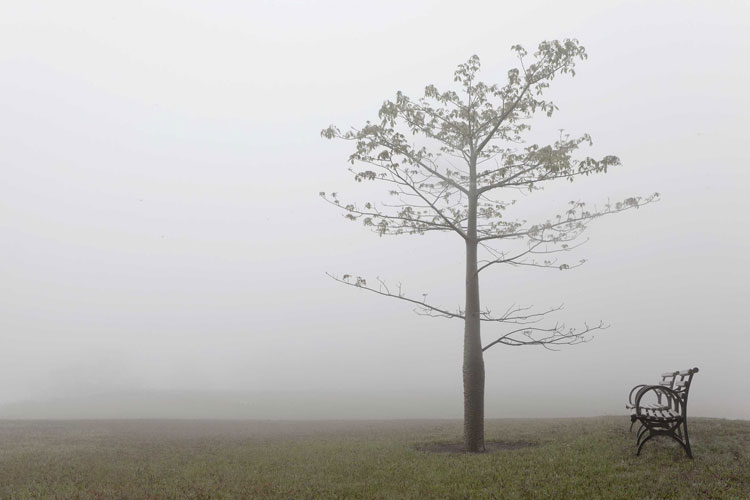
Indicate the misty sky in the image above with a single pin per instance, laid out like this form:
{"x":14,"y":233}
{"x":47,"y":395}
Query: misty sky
{"x":161,"y":230}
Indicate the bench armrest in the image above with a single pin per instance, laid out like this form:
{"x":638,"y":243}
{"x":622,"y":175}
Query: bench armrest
{"x":674,"y":400}
{"x":634,"y":390}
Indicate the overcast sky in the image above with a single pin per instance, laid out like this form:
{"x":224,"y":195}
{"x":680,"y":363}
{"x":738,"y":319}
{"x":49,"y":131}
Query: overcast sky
{"x":161,"y":231}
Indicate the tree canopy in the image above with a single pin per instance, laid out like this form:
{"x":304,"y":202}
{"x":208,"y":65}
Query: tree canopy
{"x":422,"y":150}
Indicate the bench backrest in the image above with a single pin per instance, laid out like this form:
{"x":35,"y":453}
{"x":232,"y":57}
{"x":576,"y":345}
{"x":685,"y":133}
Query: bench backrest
{"x":667,"y":379}
{"x":682,"y":384}
{"x":679,"y":382}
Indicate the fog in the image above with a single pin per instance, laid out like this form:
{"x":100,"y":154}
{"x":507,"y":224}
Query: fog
{"x":163,"y":247}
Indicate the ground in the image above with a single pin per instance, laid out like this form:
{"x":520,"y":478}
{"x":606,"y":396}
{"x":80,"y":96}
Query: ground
{"x":585,"y":458}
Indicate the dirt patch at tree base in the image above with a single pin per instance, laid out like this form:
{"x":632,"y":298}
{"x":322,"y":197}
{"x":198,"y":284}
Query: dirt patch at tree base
{"x":489,"y":446}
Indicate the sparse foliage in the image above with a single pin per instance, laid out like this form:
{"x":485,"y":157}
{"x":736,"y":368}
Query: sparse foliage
{"x":453,"y":161}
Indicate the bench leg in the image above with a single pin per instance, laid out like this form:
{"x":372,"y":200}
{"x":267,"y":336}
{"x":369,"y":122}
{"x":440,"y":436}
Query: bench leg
{"x":641,"y":432}
{"x":686,"y":444}
{"x":670,"y":433}
{"x":642,"y":443}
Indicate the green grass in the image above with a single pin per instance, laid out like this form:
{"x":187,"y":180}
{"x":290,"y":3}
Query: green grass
{"x":587,"y":458}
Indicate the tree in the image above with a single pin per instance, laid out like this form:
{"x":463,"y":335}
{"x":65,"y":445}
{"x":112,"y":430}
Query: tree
{"x":452,"y":161}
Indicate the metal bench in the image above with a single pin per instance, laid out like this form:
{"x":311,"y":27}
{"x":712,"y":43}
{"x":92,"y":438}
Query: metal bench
{"x":661,"y":409}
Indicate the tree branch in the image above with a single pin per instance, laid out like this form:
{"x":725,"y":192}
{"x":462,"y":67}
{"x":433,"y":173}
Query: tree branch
{"x":385,"y":291}
{"x":627,"y":204}
{"x":556,"y":335}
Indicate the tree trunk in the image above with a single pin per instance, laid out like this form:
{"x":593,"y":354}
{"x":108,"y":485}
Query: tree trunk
{"x":473,"y":358}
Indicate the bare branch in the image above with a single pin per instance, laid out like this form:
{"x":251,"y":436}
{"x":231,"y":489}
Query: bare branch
{"x":517,"y":315}
{"x":546,"y":337}
{"x":385,"y":291}
{"x":514,"y":260}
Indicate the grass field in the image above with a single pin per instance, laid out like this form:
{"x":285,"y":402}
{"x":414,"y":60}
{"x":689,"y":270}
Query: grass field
{"x":587,"y":458}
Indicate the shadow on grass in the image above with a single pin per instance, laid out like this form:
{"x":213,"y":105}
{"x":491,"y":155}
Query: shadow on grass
{"x":489,"y":446}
